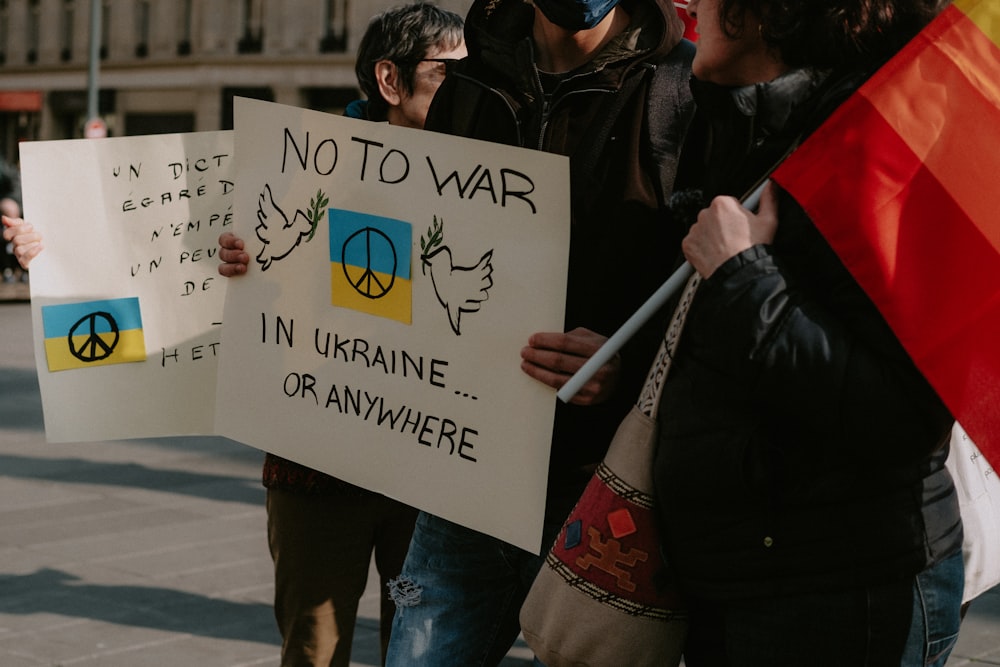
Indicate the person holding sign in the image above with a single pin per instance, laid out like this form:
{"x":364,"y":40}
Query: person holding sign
{"x":10,"y":207}
{"x":25,"y":242}
{"x":806,"y":511}
{"x":605,"y":83}
{"x":323,"y":531}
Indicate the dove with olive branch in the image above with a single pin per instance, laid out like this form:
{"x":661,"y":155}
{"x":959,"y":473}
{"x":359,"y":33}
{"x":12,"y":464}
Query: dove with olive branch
{"x":459,"y":289}
{"x":280,"y":235}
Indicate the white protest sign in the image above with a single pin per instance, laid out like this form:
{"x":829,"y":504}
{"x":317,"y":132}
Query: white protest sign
{"x":395,"y":276}
{"x":126,"y":298}
{"x":978,"y":491}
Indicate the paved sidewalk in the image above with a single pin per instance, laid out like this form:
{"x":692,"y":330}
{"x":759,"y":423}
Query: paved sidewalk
{"x":152,"y":553}
{"x":14,"y":291}
{"x":142,"y":553}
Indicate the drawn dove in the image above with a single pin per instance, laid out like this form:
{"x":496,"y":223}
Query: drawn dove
{"x":460,"y":289}
{"x":273,"y":228}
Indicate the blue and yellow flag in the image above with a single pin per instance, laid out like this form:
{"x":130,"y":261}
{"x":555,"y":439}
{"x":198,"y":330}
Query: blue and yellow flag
{"x":93,"y":333}
{"x":370,"y":264}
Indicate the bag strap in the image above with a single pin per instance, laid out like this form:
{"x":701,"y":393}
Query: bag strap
{"x":649,"y":397}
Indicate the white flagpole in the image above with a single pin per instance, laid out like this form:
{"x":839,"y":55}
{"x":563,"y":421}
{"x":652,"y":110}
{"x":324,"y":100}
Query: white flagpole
{"x":612,"y":345}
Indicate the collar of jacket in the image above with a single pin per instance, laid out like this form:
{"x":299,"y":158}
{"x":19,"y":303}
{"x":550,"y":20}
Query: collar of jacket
{"x":501,"y":31}
{"x":747,"y":129}
{"x":750,"y":115}
{"x":364,"y":110}
{"x":741,"y":133}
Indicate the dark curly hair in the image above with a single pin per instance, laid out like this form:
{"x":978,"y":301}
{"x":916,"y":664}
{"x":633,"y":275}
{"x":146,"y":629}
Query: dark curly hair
{"x":403,"y":35}
{"x":831,"y":34}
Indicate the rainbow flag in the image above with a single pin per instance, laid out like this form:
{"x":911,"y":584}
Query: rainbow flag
{"x":93,"y":333}
{"x":903,"y":181}
{"x":370,"y":264}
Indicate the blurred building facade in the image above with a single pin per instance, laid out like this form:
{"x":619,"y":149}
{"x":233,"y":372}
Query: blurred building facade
{"x":173,"y":65}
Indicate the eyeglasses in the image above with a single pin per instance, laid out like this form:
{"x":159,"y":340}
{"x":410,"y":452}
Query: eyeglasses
{"x":447,"y":62}
{"x":441,"y":66}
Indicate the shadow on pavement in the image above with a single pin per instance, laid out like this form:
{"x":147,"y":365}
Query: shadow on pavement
{"x":21,"y":407}
{"x":49,"y":591}
{"x":82,"y":471}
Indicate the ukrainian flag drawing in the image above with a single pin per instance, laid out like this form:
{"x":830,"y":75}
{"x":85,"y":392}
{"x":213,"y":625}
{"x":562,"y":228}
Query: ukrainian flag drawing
{"x":93,"y":333}
{"x":370,"y":264}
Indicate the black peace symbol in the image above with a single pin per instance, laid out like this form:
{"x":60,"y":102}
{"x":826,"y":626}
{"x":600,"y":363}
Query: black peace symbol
{"x":366,"y":282}
{"x":93,"y":347}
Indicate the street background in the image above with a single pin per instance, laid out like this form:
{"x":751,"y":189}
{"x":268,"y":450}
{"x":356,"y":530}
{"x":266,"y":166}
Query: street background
{"x":153,"y":553}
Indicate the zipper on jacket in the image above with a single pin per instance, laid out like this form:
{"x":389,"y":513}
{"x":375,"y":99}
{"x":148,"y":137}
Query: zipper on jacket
{"x":548,"y":109}
{"x":503,"y":98}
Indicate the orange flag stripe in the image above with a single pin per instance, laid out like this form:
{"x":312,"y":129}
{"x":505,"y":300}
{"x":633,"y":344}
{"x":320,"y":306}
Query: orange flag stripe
{"x":944,"y":102}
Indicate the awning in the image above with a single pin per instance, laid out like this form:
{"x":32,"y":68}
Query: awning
{"x":20,"y":100}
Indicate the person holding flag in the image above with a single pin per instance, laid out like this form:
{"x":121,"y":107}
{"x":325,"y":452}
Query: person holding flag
{"x":806,"y":512}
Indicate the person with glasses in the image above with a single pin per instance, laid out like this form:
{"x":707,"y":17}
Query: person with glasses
{"x":323,"y":531}
{"x":402,"y":61}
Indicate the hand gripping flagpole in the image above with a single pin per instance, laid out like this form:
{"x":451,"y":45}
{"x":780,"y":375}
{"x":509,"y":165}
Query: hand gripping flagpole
{"x":612,"y":345}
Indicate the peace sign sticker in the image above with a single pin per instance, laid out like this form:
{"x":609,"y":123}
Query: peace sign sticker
{"x":370,"y":257}
{"x":93,"y":333}
{"x":87,"y":343}
{"x":374,"y":247}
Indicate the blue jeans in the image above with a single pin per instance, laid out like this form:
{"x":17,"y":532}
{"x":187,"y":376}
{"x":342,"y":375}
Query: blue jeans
{"x":459,"y":596}
{"x":937,"y":600}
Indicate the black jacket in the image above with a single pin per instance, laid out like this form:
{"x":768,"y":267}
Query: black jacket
{"x":800,"y":448}
{"x":622,"y":242}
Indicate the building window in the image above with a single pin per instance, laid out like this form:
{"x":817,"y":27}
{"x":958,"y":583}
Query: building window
{"x":158,"y":123}
{"x":142,"y":28}
{"x":334,"y":38}
{"x":226,"y":122}
{"x":66,"y":30}
{"x":34,"y":26}
{"x":105,"y":26}
{"x":252,"y":40}
{"x":4,"y":30}
{"x":184,"y":45}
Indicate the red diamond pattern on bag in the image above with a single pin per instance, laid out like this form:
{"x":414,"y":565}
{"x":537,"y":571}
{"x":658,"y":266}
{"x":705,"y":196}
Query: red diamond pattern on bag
{"x":622,"y":524}
{"x":606,"y":557}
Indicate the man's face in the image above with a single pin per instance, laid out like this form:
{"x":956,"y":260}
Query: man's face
{"x":412,"y":109}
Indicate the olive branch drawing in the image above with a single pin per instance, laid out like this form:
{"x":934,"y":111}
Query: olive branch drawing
{"x":316,"y":207}
{"x":435,"y":235}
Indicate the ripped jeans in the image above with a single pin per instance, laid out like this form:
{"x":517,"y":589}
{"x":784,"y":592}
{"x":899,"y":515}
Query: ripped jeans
{"x":459,"y":596}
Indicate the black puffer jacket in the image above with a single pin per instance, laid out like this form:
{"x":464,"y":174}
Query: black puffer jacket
{"x":623,"y":244}
{"x":800,"y":448}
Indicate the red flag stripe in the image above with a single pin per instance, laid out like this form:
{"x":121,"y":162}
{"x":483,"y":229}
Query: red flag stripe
{"x":907,"y":269}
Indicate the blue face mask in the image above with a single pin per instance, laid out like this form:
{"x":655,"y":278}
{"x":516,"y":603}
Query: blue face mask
{"x":576,"y":14}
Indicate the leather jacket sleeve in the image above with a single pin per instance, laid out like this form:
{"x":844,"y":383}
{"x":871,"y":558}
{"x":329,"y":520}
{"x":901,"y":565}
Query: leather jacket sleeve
{"x":793,"y":329}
